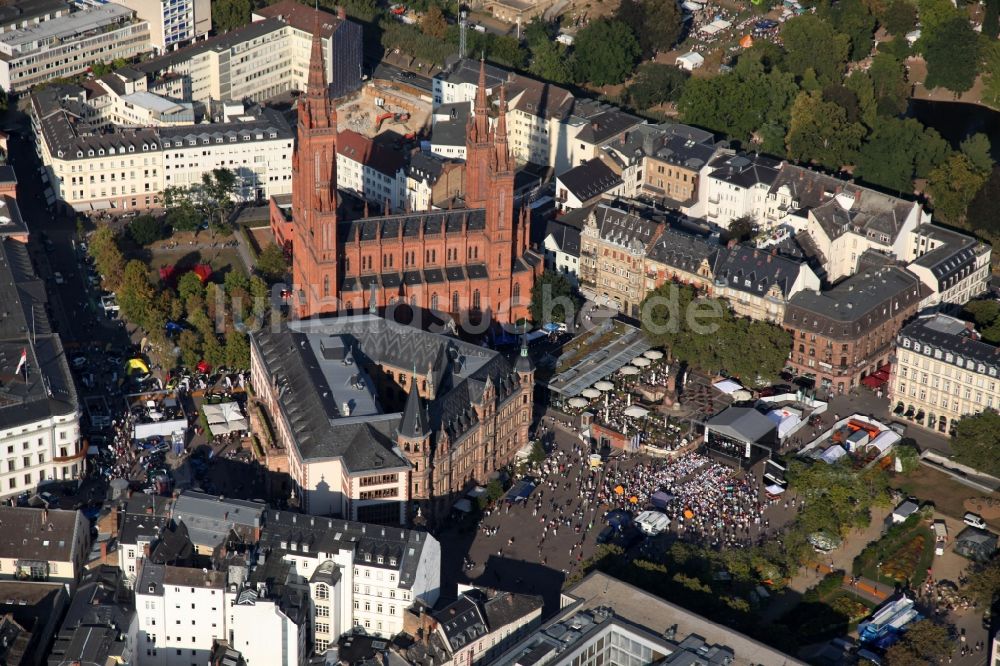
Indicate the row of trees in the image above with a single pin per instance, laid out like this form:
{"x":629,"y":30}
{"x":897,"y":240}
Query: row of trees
{"x":213,"y":315}
{"x":704,"y":333}
{"x":799,"y":101}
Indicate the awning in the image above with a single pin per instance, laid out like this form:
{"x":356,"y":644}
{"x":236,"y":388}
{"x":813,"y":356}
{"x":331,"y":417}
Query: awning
{"x":101,"y":205}
{"x":83,"y":207}
{"x":224,"y":418}
{"x":774,"y":489}
{"x":727,"y":386}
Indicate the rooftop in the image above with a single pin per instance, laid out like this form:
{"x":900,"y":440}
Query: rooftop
{"x":590,"y":179}
{"x":210,"y":518}
{"x":742,"y":423}
{"x":29,"y":10}
{"x":64,"y":28}
{"x":950,"y":340}
{"x":860,"y":301}
{"x":370,"y":153}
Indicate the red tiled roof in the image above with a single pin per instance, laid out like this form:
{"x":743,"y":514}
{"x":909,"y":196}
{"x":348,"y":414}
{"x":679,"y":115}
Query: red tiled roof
{"x":301,"y":17}
{"x":360,"y":148}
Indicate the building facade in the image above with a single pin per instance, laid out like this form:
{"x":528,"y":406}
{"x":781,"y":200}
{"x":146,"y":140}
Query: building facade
{"x":474,"y":260}
{"x":943,"y":371}
{"x":374,"y":172}
{"x":43,"y":544}
{"x":174,"y":23}
{"x":263,"y":59}
{"x":844,"y":334}
{"x":406,"y":419}
{"x":68,"y":45}
{"x":613,"y":247}
{"x":94,"y":165}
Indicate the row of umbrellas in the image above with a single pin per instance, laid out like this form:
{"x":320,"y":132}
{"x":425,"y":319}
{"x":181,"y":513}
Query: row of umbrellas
{"x":604,"y":385}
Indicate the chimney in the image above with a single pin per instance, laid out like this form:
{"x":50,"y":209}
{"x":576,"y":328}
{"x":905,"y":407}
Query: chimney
{"x":145,"y":549}
{"x":341,"y":13}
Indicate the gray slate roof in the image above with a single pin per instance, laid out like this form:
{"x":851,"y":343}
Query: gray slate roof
{"x":743,"y":423}
{"x":210,"y":518}
{"x":755,"y":271}
{"x":590,"y":179}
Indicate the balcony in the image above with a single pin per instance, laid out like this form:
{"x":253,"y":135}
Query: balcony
{"x":714,"y":199}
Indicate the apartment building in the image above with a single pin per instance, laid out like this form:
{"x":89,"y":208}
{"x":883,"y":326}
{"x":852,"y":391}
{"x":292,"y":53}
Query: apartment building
{"x":39,"y":414}
{"x":586,"y":184}
{"x":27,"y":13}
{"x":70,"y":44}
{"x":120,"y":99}
{"x":92,"y":167}
{"x":681,"y":258}
{"x":256,"y":146}
{"x":181,"y":611}
{"x":480,"y":625}
{"x":43,"y":544}
{"x":100,"y":626}
{"x":373,"y":171}
{"x":430,"y":179}
{"x":270,"y":602}
{"x":943,"y":371}
{"x":955,"y":267}
{"x":759,"y":284}
{"x":268,"y":57}
{"x":562,"y":250}
{"x":173,"y":23}
{"x":734,"y":186}
{"x":613,"y":245}
{"x":846,"y":333}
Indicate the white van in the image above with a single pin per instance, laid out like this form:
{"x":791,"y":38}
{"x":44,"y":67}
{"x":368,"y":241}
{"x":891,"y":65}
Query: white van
{"x":974,"y":520}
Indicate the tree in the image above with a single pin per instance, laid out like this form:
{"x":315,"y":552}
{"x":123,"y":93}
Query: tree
{"x":656,"y":24}
{"x":895,"y":151}
{"x":952,"y":185}
{"x":182,"y":214}
{"x":977,"y":149}
{"x":212,"y":198}
{"x":136,"y":293}
{"x":977,"y":440}
{"x":900,"y":17}
{"x":606,"y":52}
{"x":983,"y":312}
{"x":507,"y":51}
{"x":820,"y":132}
{"x":991,"y":73}
{"x":741,"y":103}
{"x":230,"y":14}
{"x":923,"y":642}
{"x":741,"y":229}
{"x":145,"y":229}
{"x":812,"y":43}
{"x":991,"y":19}
{"x":237,"y":351}
{"x":952,"y":54}
{"x":190,"y":346}
{"x":655,"y":84}
{"x":982,"y":209}
{"x":934,"y":13}
{"x":188,"y":286}
{"x":551,"y":62}
{"x":553,"y":299}
{"x":984,"y":583}
{"x":99,"y":69}
{"x":888,"y":76}
{"x":704,"y":333}
{"x":852,"y":19}
{"x":433,"y":24}
{"x":108,"y":258}
{"x":271,"y":263}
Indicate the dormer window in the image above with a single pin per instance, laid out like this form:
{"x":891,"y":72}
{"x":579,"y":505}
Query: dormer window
{"x":79,"y":153}
{"x":218,"y":139}
{"x":100,"y":151}
{"x":368,"y":557}
{"x":273,"y":135}
{"x":166,"y":144}
{"x":145,"y":146}
{"x":232,"y":139}
{"x":152,"y":146}
{"x":152,"y":588}
{"x":392,"y":561}
{"x":379,"y":559}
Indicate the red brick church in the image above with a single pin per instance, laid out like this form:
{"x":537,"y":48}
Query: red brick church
{"x":474,"y":259}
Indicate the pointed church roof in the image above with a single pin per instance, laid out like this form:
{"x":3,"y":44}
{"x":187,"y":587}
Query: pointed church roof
{"x":317,"y":72}
{"x":414,"y":423}
{"x":524,"y":362}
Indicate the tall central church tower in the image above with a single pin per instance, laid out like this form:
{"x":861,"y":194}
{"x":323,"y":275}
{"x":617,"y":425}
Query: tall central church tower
{"x":314,"y":192}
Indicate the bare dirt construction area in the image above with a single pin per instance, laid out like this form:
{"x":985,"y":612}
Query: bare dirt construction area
{"x":583,"y":11}
{"x":947,"y":494}
{"x":917,"y":74}
{"x":260,"y":237}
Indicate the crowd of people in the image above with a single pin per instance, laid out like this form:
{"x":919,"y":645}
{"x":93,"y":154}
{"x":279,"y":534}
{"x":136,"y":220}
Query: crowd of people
{"x":123,"y":455}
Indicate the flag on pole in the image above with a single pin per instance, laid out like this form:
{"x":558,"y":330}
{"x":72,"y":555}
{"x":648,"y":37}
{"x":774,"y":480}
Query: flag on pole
{"x":23,"y":362}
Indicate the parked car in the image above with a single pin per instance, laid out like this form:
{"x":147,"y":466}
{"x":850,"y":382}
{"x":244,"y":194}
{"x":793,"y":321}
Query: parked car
{"x":974,"y":520}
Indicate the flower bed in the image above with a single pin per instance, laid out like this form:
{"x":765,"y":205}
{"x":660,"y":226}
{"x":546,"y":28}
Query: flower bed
{"x":902,"y":555}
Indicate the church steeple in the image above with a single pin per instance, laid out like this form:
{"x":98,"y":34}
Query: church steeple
{"x":501,"y":159}
{"x":414,"y":423}
{"x":315,"y":107}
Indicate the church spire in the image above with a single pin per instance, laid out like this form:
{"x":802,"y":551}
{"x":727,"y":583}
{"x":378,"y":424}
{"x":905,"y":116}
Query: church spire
{"x":315,"y":107}
{"x":414,"y":422}
{"x":481,"y":110}
{"x":317,"y":71}
{"x":500,"y":142}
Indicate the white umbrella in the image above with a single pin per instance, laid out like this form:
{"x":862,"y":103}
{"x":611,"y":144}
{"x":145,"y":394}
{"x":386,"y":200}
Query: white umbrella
{"x":636,"y":411}
{"x":642,"y":362}
{"x":629,"y":370}
{"x":590,"y":393}
{"x":604,"y":385}
{"x":577,"y":402}
{"x":653,"y":354}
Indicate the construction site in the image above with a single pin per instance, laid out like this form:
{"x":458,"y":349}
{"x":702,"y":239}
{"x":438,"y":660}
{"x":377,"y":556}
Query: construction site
{"x":381,"y":107}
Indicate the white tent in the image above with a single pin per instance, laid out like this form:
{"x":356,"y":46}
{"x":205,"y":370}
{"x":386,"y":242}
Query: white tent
{"x":690,"y":61}
{"x":720,"y":24}
{"x":224,"y":418}
{"x":629,"y":370}
{"x":885,"y":439}
{"x":636,"y":411}
{"x":833,"y":454}
{"x":727,"y":386}
{"x":653,"y":354}
{"x":590,"y":393}
{"x":577,"y":402}
{"x":604,"y":385}
{"x":785,"y":420}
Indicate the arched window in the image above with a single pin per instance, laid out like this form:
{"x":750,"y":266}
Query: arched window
{"x":322,"y":591}
{"x":454,"y":301}
{"x":475,"y":300}
{"x":406,"y":448}
{"x":326,"y":285}
{"x":517,"y":293}
{"x":434,"y":301}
